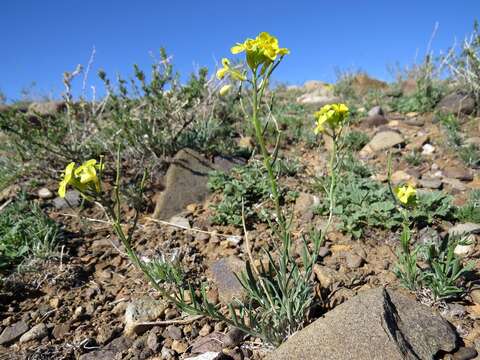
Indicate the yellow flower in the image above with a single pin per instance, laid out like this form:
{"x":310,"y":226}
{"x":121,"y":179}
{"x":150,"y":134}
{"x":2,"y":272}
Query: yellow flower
{"x":87,"y":173}
{"x":406,"y":194}
{"x":80,"y":178}
{"x":263,"y":49}
{"x":66,"y":180}
{"x":225,"y":89}
{"x":227,"y":70}
{"x":332,"y":115}
{"x":224,"y":70}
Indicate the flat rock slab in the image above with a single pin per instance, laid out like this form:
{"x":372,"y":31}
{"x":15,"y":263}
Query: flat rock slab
{"x":223,"y":273}
{"x":465,"y":228}
{"x":141,"y":311}
{"x":376,"y":324}
{"x":13,"y":332}
{"x":186,"y":181}
{"x":456,"y":103}
{"x":385,"y":140}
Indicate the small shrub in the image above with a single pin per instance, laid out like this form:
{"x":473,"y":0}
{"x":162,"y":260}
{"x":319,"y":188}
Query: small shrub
{"x":452,"y":128}
{"x":443,"y":272}
{"x":249,"y":184}
{"x":355,"y":140}
{"x":364,"y":203}
{"x":465,"y":65}
{"x":25,"y":231}
{"x":445,"y":269}
{"x":414,"y":158}
{"x":470,"y":155}
{"x":429,"y":91}
{"x":470,"y":212}
{"x":157,"y":116}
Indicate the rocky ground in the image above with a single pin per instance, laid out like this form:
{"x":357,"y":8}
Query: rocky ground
{"x":91,"y":303}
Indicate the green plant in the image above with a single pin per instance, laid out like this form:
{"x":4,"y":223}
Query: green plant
{"x":157,"y":116}
{"x":406,"y":268}
{"x":361,"y":203}
{"x":414,"y":158}
{"x":365,"y":203}
{"x":445,"y":269}
{"x":470,"y":212}
{"x":452,"y":127}
{"x":279,"y":295}
{"x":465,"y":65}
{"x":355,"y":140}
{"x":432,"y":206}
{"x":245,"y":188}
{"x":25,"y":232}
{"x":470,"y":154}
{"x":429,"y":89}
{"x":245,"y":185}
{"x":443,"y":272}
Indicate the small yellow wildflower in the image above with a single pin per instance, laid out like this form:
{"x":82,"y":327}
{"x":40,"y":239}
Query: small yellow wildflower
{"x":66,"y":180}
{"x":332,"y":115}
{"x":80,"y":178}
{"x":262,"y":50}
{"x":225,"y":89}
{"x":87,"y":172}
{"x":228,"y":70}
{"x":406,"y":194}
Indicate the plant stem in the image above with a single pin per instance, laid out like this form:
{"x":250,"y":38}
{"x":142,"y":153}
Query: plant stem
{"x":265,"y":154}
{"x":333,"y":179}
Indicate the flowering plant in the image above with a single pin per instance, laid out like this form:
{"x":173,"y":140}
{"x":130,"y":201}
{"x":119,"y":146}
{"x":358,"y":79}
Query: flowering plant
{"x":406,"y":194}
{"x":83,"y":178}
{"x":333,"y":117}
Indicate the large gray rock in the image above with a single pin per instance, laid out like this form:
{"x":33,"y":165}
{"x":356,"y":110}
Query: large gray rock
{"x":37,"y":332}
{"x":142,"y":311}
{"x":223,"y":273}
{"x":376,"y":324}
{"x":384,"y":140}
{"x":315,"y":99}
{"x":186,"y":181}
{"x":376,"y":111}
{"x":465,"y":228}
{"x":13,"y":332}
{"x":49,"y":108}
{"x":457,"y":103}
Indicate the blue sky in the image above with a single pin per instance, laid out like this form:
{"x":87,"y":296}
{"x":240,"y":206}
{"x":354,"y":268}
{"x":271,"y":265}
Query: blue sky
{"x":42,"y":39}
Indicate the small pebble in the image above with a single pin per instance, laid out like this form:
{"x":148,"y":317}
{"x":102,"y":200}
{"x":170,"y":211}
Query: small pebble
{"x":323,"y":251}
{"x":44,"y":193}
{"x":354,"y":261}
{"x":205,"y":330}
{"x":179,"y":346}
{"x":174,"y":332}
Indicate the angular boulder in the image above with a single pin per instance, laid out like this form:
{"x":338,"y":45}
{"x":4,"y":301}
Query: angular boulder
{"x":48,"y":108}
{"x":186,"y":181}
{"x":384,"y":140}
{"x":457,"y":103}
{"x":376,"y":324}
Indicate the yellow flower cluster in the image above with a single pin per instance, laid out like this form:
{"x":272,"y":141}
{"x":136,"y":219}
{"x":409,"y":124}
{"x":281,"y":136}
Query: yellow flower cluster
{"x":333,"y":116}
{"x":82,"y":178}
{"x":262,"y":50}
{"x":406,"y":194}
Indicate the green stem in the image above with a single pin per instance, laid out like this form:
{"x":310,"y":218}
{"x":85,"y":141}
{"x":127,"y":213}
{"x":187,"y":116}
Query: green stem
{"x":333,"y":180}
{"x":267,"y":161}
